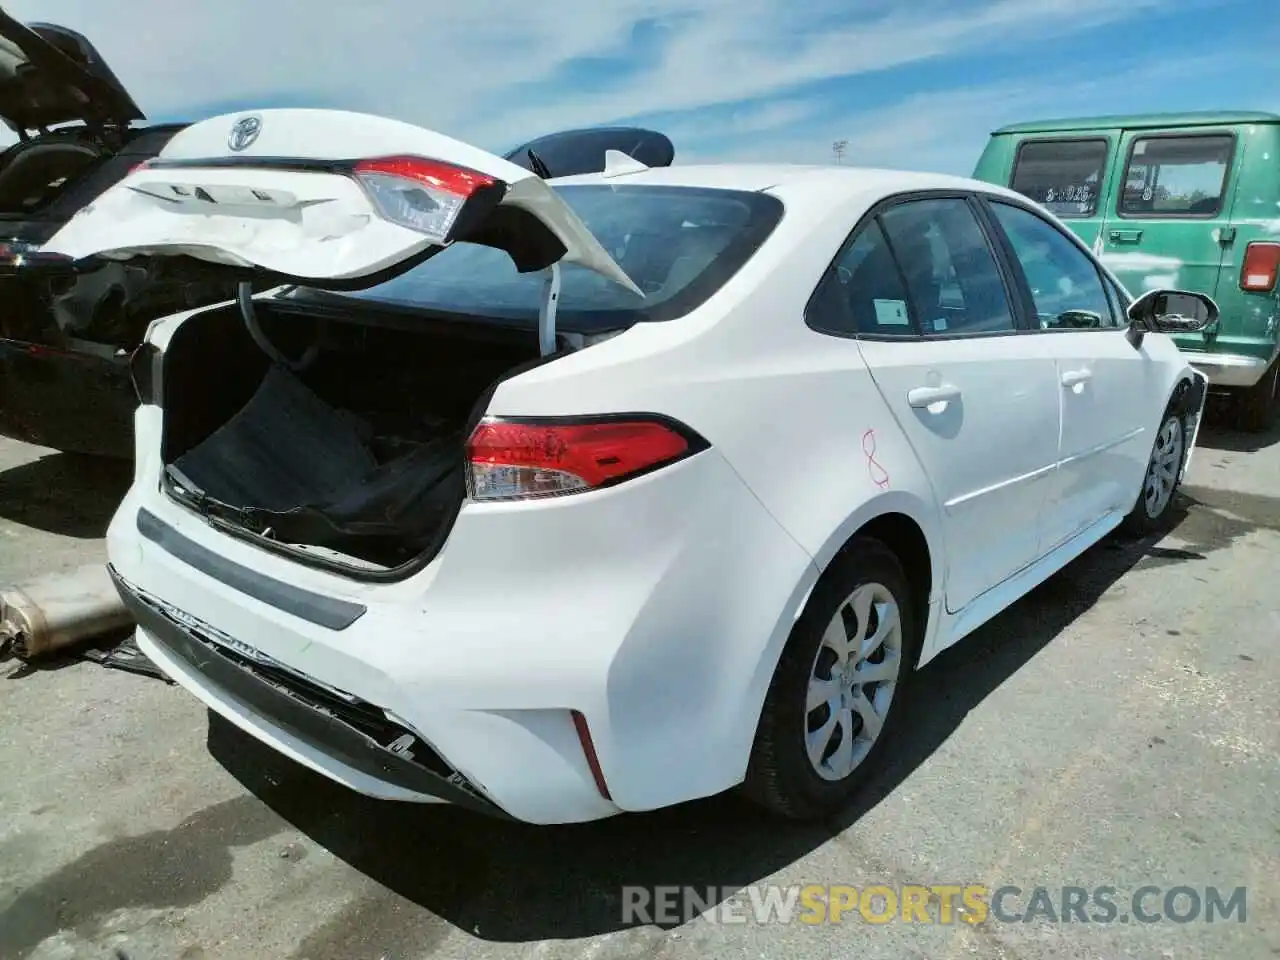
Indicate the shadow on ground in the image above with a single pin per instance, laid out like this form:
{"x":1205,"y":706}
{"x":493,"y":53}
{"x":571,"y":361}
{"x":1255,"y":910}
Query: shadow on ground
{"x":1218,"y":432}
{"x":65,"y":493}
{"x":513,"y":883}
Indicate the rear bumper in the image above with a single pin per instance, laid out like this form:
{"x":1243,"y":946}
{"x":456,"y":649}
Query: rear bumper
{"x":295,"y":713}
{"x":1230,"y":369}
{"x":655,"y":610}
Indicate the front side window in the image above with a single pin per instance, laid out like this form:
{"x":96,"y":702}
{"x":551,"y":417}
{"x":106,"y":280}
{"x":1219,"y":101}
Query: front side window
{"x":1169,"y":176}
{"x":1066,"y":286}
{"x":1064,"y":176}
{"x":953,"y":283}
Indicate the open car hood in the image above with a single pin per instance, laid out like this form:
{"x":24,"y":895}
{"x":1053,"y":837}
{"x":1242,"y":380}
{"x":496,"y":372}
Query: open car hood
{"x":49,"y":75}
{"x":328,"y":199}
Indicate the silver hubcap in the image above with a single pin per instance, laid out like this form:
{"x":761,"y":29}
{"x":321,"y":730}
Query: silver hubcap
{"x":853,"y":680}
{"x":1162,"y":473}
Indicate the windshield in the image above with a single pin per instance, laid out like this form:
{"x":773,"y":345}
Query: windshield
{"x":678,"y":244}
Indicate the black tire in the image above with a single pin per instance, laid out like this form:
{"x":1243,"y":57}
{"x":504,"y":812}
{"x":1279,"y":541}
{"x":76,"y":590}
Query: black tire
{"x":1259,"y":404}
{"x":1146,"y":518}
{"x":780,"y":776}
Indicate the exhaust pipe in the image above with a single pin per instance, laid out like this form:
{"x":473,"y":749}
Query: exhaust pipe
{"x":60,"y":611}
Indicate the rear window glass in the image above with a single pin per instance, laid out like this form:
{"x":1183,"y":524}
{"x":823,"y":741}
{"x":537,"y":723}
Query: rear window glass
{"x":1064,"y":176}
{"x":1176,"y":175}
{"x":678,"y":244}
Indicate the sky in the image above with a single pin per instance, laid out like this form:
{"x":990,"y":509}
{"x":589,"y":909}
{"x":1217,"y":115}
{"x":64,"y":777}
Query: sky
{"x":915,"y":84}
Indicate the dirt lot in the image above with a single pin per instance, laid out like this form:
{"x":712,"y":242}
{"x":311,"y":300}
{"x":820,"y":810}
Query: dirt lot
{"x":1119,"y":727}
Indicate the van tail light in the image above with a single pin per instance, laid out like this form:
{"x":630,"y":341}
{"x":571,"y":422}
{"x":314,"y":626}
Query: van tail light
{"x":1261,"y":267}
{"x":423,"y":195}
{"x":525,"y":459}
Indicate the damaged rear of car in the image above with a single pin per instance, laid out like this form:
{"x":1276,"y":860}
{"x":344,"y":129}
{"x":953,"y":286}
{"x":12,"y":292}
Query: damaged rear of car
{"x":335,"y":529}
{"x":66,"y":333}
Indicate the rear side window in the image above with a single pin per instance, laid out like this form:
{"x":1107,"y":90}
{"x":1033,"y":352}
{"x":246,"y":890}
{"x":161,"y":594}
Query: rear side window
{"x":1176,"y":176}
{"x":953,"y":282}
{"x":679,"y":245}
{"x":1065,"y":176}
{"x":864,"y":293}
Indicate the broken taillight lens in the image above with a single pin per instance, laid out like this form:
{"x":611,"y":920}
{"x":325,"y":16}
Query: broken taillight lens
{"x":423,"y":195}
{"x":1261,"y":265}
{"x":530,"y":459}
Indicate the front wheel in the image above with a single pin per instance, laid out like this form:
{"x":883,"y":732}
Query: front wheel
{"x":1164,"y":470}
{"x":835,"y":694}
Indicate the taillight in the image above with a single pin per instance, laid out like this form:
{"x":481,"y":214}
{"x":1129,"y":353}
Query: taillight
{"x":527,"y":459}
{"x":1261,"y":267}
{"x":423,"y":195}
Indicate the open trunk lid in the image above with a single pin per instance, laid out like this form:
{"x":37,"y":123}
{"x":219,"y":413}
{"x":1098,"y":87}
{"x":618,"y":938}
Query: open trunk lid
{"x":50,"y":75}
{"x":328,"y":199}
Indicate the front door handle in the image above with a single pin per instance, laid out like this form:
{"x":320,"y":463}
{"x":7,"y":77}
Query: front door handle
{"x":1126,"y":236}
{"x":928,"y":396}
{"x":1071,"y":378}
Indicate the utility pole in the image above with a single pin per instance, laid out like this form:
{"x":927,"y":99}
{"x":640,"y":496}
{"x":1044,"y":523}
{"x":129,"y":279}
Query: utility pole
{"x":838,"y":148}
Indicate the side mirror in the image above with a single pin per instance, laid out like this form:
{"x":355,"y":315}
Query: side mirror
{"x":1170,"y":311}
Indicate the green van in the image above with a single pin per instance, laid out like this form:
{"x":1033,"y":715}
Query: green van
{"x":1186,"y":200}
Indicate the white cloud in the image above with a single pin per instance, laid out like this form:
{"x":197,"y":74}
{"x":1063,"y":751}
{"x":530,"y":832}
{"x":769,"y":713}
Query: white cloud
{"x":727,"y":76}
{"x":473,"y":68}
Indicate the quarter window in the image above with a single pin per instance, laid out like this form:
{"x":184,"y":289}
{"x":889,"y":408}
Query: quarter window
{"x":953,"y":282}
{"x":864,"y":292}
{"x":1066,"y":286}
{"x":1176,"y":175}
{"x":1065,"y":176}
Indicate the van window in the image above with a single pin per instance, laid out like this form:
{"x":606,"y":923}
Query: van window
{"x":1065,"y":176}
{"x":1176,"y":175}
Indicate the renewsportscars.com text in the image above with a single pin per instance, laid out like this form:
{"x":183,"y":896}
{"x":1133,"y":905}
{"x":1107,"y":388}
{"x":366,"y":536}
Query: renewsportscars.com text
{"x":933,"y":903}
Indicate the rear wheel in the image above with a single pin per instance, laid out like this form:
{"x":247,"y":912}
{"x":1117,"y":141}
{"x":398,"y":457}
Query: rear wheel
{"x":1260,"y":403}
{"x":1164,"y":468}
{"x":833,"y":703}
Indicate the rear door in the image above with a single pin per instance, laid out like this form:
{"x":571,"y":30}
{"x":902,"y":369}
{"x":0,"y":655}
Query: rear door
{"x":1069,"y":175}
{"x":327,"y":198}
{"x":1168,"y":223}
{"x":977,"y":401}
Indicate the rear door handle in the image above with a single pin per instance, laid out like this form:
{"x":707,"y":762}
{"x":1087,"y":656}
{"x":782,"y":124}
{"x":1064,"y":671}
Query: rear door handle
{"x":1126,"y":236}
{"x":928,"y":396}
{"x":1072,"y":377}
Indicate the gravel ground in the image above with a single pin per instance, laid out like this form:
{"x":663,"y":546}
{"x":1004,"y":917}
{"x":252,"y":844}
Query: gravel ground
{"x":1119,"y":727}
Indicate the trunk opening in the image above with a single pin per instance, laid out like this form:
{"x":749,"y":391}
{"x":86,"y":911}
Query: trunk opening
{"x":352,"y":460}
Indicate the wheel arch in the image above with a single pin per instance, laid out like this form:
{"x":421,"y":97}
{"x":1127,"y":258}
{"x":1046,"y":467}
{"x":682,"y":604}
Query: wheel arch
{"x":908,"y":526}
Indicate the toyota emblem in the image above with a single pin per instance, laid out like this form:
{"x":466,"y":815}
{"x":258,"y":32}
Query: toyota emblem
{"x":244,"y":132}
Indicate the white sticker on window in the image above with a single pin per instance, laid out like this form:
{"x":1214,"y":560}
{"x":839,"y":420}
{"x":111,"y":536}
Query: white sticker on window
{"x":940,"y":324}
{"x":892,"y":313}
{"x":1140,"y":148}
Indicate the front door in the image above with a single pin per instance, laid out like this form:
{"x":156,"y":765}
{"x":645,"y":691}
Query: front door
{"x":1169,"y":219}
{"x":1105,"y":383}
{"x":977,"y":401}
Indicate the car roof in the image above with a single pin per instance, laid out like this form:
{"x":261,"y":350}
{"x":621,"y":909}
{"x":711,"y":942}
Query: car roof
{"x":1140,"y":121}
{"x":794,"y":180}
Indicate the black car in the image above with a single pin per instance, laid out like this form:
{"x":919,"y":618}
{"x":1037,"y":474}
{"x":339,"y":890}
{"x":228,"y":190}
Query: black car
{"x":67,"y":331}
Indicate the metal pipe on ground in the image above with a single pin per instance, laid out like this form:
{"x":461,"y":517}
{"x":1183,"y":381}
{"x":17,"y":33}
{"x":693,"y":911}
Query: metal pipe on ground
{"x":60,"y":611}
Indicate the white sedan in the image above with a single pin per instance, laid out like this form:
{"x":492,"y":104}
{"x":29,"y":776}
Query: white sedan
{"x":561,"y":500}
